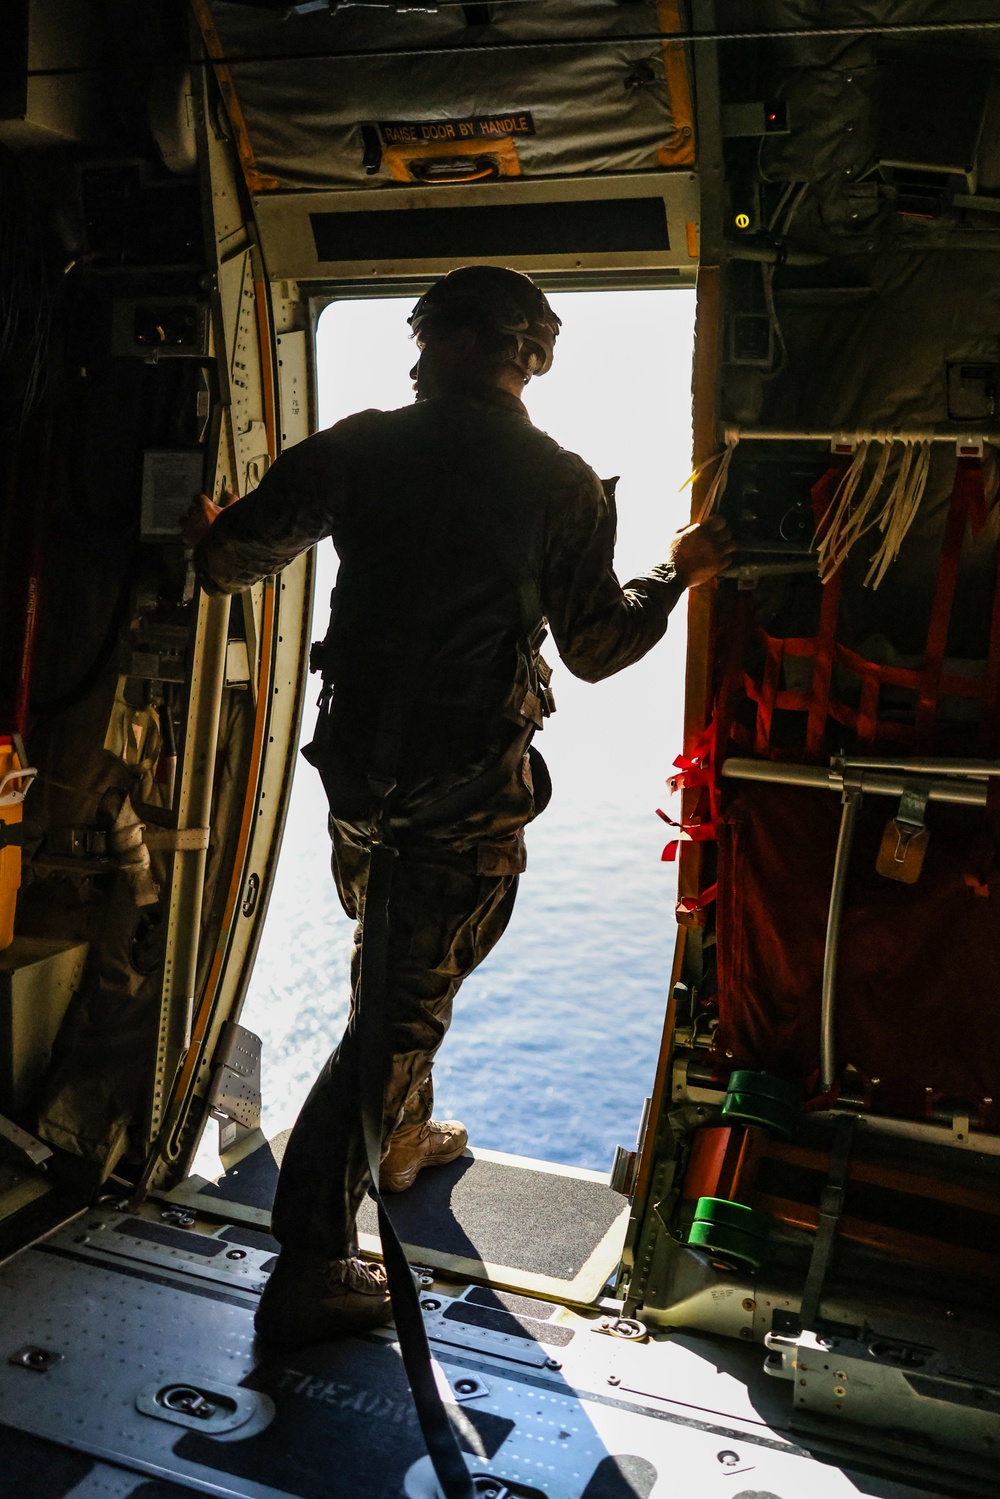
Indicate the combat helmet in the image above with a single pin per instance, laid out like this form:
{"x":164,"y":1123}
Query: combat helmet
{"x":493,"y":299}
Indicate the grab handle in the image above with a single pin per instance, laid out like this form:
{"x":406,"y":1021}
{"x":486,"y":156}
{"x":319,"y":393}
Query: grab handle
{"x":9,"y":798}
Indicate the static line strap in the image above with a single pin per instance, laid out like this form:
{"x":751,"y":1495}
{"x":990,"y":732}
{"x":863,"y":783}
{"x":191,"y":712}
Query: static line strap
{"x":830,"y":1208}
{"x":439,"y":1437}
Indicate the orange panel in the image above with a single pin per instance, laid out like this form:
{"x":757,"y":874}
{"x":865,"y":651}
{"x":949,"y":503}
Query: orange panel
{"x":678,"y":151}
{"x":914,"y":1247}
{"x":706,"y":1163}
{"x":257,"y":181}
{"x":930,"y":1188}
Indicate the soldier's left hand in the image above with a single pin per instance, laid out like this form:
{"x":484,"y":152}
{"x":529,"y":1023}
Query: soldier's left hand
{"x":199,"y":518}
{"x":702,"y":551}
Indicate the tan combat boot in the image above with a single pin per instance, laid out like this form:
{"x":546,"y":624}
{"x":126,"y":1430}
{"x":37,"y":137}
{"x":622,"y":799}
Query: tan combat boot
{"x":312,"y":1299}
{"x":415,"y":1146}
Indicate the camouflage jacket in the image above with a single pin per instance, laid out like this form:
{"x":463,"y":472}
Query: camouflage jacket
{"x":459,"y":525}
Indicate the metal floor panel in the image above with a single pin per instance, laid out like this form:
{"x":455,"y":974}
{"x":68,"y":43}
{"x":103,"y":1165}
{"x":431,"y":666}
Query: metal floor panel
{"x":35,"y":1469}
{"x":542,"y":1400}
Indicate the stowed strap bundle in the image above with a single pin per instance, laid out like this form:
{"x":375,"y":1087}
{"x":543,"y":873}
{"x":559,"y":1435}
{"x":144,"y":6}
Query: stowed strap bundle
{"x":854,"y":511}
{"x":848,"y":518}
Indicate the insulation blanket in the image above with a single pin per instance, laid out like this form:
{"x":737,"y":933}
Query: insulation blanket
{"x":881,"y":361}
{"x":918,"y":997}
{"x":317,"y":120}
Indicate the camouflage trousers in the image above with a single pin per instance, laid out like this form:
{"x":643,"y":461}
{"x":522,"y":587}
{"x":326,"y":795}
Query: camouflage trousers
{"x":448,"y":908}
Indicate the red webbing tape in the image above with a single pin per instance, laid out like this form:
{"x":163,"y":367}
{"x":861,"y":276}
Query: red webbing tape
{"x":696,"y":766}
{"x":696,"y":770}
{"x":691,"y":903}
{"x":969,"y":492}
{"x":821,"y":647}
{"x":690,"y":832}
{"x":965,"y":493}
{"x":824,"y":491}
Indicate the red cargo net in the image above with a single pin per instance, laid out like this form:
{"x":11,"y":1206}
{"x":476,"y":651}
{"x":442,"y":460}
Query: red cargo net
{"x":928,"y":685}
{"x":917,"y":1010}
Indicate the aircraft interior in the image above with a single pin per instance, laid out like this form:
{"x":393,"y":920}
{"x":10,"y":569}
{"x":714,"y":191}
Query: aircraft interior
{"x":789,"y":1286}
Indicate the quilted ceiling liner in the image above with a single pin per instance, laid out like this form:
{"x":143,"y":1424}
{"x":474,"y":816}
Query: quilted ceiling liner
{"x":314,"y":119}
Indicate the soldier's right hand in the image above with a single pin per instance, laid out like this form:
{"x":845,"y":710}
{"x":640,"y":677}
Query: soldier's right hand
{"x":199,"y":518}
{"x":702,"y":551}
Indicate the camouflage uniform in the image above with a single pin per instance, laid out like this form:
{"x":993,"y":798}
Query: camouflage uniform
{"x":458,"y":525}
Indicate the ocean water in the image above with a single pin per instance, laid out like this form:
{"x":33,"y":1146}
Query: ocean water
{"x":554,"y":1042}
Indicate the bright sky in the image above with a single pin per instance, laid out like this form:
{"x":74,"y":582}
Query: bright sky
{"x":619,"y":394}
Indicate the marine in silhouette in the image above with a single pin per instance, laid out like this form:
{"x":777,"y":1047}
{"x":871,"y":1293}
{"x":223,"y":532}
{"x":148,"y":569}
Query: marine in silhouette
{"x":464,"y":533}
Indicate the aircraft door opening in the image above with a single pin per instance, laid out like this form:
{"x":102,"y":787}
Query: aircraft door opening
{"x":554,"y":1039}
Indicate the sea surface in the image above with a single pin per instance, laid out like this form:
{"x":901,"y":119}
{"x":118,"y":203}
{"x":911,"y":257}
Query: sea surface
{"x":554,"y":1042}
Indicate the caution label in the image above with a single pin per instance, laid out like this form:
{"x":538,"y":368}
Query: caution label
{"x":479,"y":128}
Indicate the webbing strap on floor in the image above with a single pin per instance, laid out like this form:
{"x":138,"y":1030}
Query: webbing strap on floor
{"x":439,"y":1437}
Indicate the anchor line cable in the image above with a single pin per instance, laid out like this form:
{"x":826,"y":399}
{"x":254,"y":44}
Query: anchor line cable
{"x":644,"y":38}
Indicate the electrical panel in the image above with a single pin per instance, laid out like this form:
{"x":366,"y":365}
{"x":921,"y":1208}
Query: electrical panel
{"x":972,"y":390}
{"x":930,"y":122}
{"x":171,"y":480}
{"x":154,"y":328}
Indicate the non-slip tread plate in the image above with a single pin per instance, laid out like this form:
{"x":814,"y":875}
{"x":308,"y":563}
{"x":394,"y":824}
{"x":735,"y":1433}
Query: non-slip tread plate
{"x":481,"y":1210}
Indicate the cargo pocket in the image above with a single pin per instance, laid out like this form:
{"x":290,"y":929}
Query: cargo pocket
{"x":500,"y":856}
{"x":538,"y":780}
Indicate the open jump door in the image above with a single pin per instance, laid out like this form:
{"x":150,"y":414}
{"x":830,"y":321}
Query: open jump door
{"x":343,"y":219}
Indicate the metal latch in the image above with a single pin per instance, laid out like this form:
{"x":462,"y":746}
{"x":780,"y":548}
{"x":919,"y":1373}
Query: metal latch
{"x":623,"y":1170}
{"x":204,"y":1405}
{"x":904,"y":841}
{"x":15,"y":786}
{"x":32,"y":1150}
{"x":235,"y":1097}
{"x":420,"y":1483}
{"x":38,"y":1360}
{"x":629,"y":1328}
{"x":625,"y":1166}
{"x":186,"y":1400}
